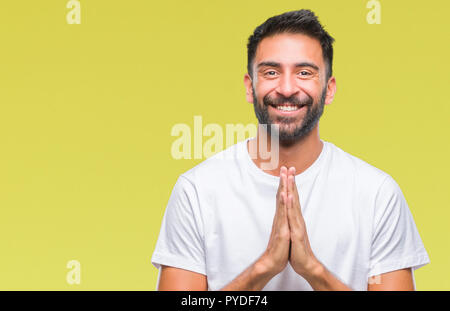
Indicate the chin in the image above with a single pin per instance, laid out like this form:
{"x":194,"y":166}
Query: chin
{"x":288,"y":133}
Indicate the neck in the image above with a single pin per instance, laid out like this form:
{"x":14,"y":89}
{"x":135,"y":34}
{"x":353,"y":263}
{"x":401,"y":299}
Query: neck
{"x":300,"y":154}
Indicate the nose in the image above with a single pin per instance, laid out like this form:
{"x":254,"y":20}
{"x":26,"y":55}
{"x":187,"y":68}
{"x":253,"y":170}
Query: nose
{"x":287,"y":86}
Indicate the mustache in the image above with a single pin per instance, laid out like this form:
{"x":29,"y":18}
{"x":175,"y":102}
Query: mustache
{"x":267,"y":100}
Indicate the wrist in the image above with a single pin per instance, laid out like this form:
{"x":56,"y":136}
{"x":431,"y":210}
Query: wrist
{"x":258,"y":276}
{"x":264,"y":268}
{"x":312,"y":271}
{"x":321,"y":279}
{"x":317,"y":270}
{"x":315,"y":275}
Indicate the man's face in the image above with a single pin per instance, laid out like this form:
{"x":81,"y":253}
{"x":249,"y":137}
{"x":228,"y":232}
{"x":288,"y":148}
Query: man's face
{"x":289,"y":87}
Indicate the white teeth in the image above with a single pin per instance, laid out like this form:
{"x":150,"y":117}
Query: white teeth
{"x":287,"y":108}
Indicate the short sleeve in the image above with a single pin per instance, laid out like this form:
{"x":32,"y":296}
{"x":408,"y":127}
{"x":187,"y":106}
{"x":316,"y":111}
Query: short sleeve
{"x":180,"y":243}
{"x":396,"y":243}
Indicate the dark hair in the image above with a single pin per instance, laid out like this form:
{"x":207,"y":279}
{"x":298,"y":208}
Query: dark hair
{"x":301,"y":21}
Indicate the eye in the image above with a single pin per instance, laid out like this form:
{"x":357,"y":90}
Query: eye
{"x":304,"y":73}
{"x":267,"y":73}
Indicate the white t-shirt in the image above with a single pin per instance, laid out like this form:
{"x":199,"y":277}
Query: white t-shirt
{"x":219,"y":218}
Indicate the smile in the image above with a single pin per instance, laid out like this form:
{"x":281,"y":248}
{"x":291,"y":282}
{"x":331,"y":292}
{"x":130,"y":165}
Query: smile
{"x":287,"y":109}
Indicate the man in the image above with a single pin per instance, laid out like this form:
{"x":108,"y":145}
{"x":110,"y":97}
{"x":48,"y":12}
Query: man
{"x":321,"y":219}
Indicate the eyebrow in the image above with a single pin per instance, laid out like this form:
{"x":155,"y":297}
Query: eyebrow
{"x":278,"y":65}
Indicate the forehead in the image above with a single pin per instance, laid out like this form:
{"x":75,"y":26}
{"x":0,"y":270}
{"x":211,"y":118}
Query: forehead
{"x":289,"y":49}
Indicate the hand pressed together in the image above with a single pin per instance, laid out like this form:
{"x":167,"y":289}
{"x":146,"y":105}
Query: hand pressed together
{"x":301,"y":256}
{"x":289,"y":240}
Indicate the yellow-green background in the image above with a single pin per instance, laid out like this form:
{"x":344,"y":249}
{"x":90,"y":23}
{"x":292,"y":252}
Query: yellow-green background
{"x":86,"y":112}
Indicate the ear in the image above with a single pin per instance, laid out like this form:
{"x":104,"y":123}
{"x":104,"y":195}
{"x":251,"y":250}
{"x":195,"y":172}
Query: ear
{"x":248,"y":87}
{"x":331,"y":90}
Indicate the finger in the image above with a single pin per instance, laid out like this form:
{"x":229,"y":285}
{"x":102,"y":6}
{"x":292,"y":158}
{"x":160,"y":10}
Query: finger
{"x":283,"y":215}
{"x":280,"y":221}
{"x":283,"y":209}
{"x":283,"y":175}
{"x":290,"y":184}
{"x":280,"y":212}
{"x":295,"y":216}
{"x":293,"y":171}
{"x":294,"y":191}
{"x":289,"y":211}
{"x":282,"y":188}
{"x":280,"y":225}
{"x":282,"y":184}
{"x":291,"y":174}
{"x":294,"y":224}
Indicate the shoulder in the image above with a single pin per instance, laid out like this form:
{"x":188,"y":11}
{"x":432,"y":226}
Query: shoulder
{"x":365,"y":175}
{"x":371,"y":183}
{"x":220,"y":167}
{"x":376,"y":191}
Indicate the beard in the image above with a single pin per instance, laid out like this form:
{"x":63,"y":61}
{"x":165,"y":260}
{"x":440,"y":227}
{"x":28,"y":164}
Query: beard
{"x":290,"y":129}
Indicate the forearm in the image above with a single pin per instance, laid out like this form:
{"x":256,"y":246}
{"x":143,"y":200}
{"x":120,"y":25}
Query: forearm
{"x":321,"y":279}
{"x":254,"y":278}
